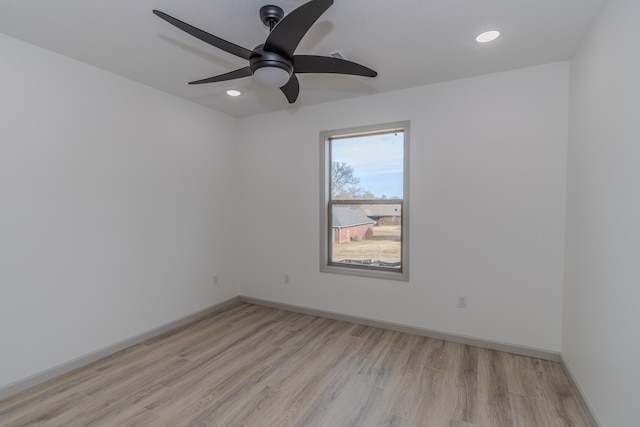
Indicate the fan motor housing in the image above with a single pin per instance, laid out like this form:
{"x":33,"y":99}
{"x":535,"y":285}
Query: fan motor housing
{"x":261,"y":58}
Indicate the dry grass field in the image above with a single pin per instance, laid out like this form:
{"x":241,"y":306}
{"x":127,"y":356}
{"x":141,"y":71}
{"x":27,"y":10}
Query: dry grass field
{"x":384,"y":246}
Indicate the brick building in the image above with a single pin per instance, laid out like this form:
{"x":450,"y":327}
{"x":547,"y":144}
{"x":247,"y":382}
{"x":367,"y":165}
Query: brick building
{"x":349,"y":224}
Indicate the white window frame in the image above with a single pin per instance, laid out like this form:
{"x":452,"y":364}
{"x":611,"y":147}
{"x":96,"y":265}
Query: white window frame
{"x":325,"y":198}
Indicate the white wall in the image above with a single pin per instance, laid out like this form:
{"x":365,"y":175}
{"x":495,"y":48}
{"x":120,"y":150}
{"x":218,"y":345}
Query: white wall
{"x":602,"y":283}
{"x":115,"y":209}
{"x":118,"y":205}
{"x":488,"y":174}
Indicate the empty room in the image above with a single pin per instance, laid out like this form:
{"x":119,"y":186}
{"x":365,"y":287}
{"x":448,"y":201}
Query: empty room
{"x":319,"y":213}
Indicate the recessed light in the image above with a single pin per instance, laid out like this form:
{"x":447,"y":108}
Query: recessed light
{"x":488,"y":36}
{"x":233,"y":92}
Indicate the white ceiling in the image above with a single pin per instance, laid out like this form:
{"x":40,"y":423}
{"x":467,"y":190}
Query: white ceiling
{"x":408,"y":42}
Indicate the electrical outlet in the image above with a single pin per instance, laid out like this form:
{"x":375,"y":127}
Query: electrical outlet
{"x":215,"y":279}
{"x":462,"y":301}
{"x":286,"y":279}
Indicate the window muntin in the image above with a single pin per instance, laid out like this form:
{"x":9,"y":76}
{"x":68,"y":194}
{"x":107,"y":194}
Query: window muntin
{"x":364,"y":201}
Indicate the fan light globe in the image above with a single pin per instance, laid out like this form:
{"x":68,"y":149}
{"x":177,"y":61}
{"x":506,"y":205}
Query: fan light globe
{"x":271,"y":76}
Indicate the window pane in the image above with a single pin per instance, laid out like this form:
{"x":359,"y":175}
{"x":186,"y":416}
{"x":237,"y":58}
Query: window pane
{"x":364,"y":190}
{"x":367,"y":166}
{"x":367,"y":234}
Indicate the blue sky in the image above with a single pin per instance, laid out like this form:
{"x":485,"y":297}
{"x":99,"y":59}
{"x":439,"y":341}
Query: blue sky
{"x":376,"y":159}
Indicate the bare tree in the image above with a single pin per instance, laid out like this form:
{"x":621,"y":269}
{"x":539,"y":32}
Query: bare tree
{"x":344,"y":184}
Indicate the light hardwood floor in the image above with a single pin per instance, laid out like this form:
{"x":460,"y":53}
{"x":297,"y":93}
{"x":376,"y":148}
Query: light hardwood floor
{"x":250,"y":365}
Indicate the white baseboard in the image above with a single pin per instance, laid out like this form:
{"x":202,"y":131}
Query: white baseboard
{"x":81,"y":361}
{"x":580,"y":392}
{"x":462,"y":339}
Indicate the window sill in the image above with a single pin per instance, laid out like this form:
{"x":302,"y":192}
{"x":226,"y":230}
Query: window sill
{"x":365,"y":272}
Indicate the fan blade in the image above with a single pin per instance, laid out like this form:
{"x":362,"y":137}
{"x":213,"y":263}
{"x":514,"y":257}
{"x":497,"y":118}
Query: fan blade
{"x":329,"y":64}
{"x":291,"y":89}
{"x":242,"y":72}
{"x":233,"y":49}
{"x":286,"y":35}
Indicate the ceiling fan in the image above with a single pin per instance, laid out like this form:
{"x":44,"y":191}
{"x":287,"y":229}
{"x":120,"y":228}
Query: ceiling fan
{"x":274,"y":63}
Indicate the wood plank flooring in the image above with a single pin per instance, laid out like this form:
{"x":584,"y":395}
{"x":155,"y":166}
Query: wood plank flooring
{"x":255,"y":366}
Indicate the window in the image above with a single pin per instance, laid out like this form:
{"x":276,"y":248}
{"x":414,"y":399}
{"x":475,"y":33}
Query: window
{"x":364,"y":201}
